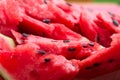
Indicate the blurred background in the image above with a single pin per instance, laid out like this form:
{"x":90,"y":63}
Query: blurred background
{"x":108,"y":1}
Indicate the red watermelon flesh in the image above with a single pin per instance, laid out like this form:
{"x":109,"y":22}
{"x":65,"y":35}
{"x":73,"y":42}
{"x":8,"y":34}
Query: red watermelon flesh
{"x":9,"y":16}
{"x":50,"y":10}
{"x":93,"y":29}
{"x":115,"y":17}
{"x":87,"y":25}
{"x":69,"y":21}
{"x":105,"y":61}
{"x":71,"y":49}
{"x":25,"y":64}
{"x":111,"y":24}
{"x":55,"y":31}
{"x":61,"y":16}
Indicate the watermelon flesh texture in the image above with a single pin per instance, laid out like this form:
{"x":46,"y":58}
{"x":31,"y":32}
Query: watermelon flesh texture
{"x":71,"y":49}
{"x":25,"y":64}
{"x":106,"y":61}
{"x":66,"y":69}
{"x":31,"y":25}
{"x":93,"y":29}
{"x":54,"y":31}
{"x":10,"y":16}
{"x":110,"y":23}
{"x":50,"y":11}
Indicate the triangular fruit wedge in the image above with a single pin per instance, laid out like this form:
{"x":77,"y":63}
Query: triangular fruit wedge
{"x":71,"y":49}
{"x":105,"y":61}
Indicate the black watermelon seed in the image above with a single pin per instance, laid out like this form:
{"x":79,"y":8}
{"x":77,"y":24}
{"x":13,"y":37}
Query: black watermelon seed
{"x":45,"y":1}
{"x":66,"y":41}
{"x":54,"y":41}
{"x":88,"y":68}
{"x":111,"y":60}
{"x":91,"y":44}
{"x":110,"y":13}
{"x":25,"y":35}
{"x":96,"y":64}
{"x":68,"y":4}
{"x":47,"y":59}
{"x":115,"y":22}
{"x":71,"y":49}
{"x":84,"y":46}
{"x":47,"y":21}
{"x":41,"y":52}
{"x":98,"y":38}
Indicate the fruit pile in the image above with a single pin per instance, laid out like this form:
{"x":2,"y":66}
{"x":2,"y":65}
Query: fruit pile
{"x":57,"y":40}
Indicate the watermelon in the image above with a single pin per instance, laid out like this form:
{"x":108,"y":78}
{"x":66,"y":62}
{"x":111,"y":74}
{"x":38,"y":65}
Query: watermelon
{"x":105,"y":61}
{"x":10,"y":16}
{"x":89,"y":24}
{"x":110,"y":23}
{"x":6,"y":43}
{"x":25,"y":63}
{"x":51,"y":9}
{"x":55,"y":31}
{"x":71,"y":49}
{"x":4,"y":75}
{"x":57,"y":40}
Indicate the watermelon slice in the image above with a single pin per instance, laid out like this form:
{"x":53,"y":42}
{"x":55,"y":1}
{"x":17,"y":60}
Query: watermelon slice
{"x":89,"y":24}
{"x":111,"y":24}
{"x":105,"y":61}
{"x":9,"y":16}
{"x":51,"y":9}
{"x":4,"y":75}
{"x":24,"y":63}
{"x":55,"y":31}
{"x":71,"y":49}
{"x":56,"y":40}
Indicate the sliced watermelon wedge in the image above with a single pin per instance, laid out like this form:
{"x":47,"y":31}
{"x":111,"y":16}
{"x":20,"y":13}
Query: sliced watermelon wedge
{"x":71,"y":49}
{"x":25,"y":64}
{"x":105,"y":61}
{"x":33,"y":26}
{"x":110,"y":23}
{"x":94,"y":29}
{"x":10,"y":16}
{"x":48,"y":10}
